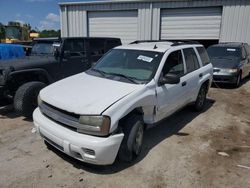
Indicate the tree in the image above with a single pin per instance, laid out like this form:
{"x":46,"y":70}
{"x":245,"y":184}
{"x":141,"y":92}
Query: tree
{"x":49,"y":33}
{"x":2,"y":31}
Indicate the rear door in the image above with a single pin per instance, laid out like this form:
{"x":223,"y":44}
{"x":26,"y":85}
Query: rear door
{"x":74,"y":57}
{"x":194,"y":73}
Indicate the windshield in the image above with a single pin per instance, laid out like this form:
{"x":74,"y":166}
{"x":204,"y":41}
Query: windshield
{"x":129,"y":64}
{"x":12,"y":33}
{"x":42,"y":48}
{"x":223,"y":52}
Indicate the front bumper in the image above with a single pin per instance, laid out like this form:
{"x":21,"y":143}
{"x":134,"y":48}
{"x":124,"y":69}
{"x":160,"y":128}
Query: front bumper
{"x":225,"y":78}
{"x":86,"y":148}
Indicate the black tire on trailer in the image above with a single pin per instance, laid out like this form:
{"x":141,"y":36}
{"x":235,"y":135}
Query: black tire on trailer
{"x":131,"y":146}
{"x":25,"y":99}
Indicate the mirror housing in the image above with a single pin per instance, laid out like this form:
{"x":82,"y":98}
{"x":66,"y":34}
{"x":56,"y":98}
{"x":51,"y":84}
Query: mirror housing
{"x":56,"y":53}
{"x":169,"y":79}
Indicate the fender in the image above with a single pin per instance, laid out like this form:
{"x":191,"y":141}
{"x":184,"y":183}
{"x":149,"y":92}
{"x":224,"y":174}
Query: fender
{"x":37,"y":70}
{"x":143,"y":98}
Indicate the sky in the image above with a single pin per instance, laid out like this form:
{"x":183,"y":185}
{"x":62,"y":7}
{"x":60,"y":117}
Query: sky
{"x":40,"y":14}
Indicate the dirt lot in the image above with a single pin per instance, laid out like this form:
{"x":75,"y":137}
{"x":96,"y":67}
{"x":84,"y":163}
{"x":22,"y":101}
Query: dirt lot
{"x":181,"y":152}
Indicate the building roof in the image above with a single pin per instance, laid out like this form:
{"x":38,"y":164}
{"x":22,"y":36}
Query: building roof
{"x":112,"y":1}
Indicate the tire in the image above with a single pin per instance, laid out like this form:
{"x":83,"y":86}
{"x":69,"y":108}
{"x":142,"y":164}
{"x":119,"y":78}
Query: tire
{"x":25,"y":99}
{"x":201,"y":99}
{"x":131,"y":146}
{"x":238,"y":81}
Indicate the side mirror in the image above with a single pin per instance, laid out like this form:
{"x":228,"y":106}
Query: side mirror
{"x":169,"y":79}
{"x":66,"y":54}
{"x":56,"y":53}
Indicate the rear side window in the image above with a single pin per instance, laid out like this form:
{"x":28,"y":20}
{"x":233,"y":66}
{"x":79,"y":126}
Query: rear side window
{"x":191,"y":59}
{"x":111,"y":44}
{"x":96,"y":47}
{"x":204,"y":56}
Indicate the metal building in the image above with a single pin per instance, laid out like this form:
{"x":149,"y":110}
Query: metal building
{"x":204,"y":20}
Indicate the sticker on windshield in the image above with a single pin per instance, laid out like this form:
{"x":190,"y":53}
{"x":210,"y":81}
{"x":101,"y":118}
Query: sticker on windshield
{"x":145,"y":58}
{"x":231,"y":49}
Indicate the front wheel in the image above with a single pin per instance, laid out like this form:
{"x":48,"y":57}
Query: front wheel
{"x":131,"y":146}
{"x":201,"y":99}
{"x":238,"y":80}
{"x":25,"y":99}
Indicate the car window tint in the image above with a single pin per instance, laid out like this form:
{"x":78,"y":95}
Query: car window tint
{"x":192,"y":62}
{"x":111,"y":44}
{"x":174,"y":64}
{"x":75,"y":47}
{"x":204,"y":56}
{"x":96,"y":47}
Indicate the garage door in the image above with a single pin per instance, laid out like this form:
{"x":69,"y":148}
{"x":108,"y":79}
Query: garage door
{"x":122,"y":24}
{"x":191,"y":23}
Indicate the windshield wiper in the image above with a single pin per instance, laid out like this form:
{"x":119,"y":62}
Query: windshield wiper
{"x":131,"y":79}
{"x":99,"y":71}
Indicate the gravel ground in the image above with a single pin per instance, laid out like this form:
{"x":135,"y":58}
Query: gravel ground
{"x":181,"y":152}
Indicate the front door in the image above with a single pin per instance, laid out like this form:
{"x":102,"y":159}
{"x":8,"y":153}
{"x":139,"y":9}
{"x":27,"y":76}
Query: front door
{"x":171,"y":97}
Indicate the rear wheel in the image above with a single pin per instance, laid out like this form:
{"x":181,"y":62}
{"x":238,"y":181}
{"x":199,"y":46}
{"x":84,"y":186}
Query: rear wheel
{"x":132,"y":143}
{"x":201,"y":99}
{"x":25,"y":99}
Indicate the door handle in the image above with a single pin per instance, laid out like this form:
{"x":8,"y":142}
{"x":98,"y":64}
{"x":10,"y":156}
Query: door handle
{"x":200,"y":75}
{"x":183,"y":84}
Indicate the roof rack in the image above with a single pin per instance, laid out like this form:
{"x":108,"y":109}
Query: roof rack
{"x":175,"y":42}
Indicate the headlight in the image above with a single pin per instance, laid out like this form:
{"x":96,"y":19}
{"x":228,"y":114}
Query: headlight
{"x":233,"y":70}
{"x":97,"y":125}
{"x":39,"y":100}
{"x":230,"y":70}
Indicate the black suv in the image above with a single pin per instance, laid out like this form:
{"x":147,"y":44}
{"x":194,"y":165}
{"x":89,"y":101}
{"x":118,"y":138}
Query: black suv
{"x":51,"y":59}
{"x":231,"y":62}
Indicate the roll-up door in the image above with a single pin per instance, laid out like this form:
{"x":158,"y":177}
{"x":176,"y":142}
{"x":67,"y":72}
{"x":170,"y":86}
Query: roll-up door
{"x":121,"y":24}
{"x":191,"y":23}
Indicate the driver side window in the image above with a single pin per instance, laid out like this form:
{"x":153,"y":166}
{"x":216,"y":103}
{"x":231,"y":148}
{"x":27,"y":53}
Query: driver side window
{"x":174,"y":64}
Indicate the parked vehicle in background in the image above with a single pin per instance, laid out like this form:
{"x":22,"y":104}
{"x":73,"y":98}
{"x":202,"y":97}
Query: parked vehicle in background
{"x":51,"y":59}
{"x":95,"y":115}
{"x":231,"y":62}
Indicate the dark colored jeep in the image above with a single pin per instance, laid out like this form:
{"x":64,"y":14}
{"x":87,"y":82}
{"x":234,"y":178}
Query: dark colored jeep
{"x":51,"y":59}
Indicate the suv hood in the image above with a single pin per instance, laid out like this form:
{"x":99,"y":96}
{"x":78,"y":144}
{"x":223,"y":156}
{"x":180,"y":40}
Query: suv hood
{"x":86,"y":94}
{"x":26,"y":62}
{"x":225,"y":62}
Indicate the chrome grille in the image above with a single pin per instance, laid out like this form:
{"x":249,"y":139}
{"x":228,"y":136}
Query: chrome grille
{"x":66,"y":119}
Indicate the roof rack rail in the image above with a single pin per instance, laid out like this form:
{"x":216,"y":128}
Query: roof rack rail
{"x":175,"y":42}
{"x":141,"y":41}
{"x":184,"y":42}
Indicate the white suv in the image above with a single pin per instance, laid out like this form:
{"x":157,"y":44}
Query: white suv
{"x":102,"y":113}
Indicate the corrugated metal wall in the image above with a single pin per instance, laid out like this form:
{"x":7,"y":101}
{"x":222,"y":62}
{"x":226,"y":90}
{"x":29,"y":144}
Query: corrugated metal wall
{"x":235,"y":24}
